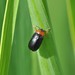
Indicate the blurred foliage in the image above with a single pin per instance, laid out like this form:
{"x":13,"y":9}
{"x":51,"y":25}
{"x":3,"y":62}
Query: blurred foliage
{"x":2,"y":8}
{"x":56,"y":54}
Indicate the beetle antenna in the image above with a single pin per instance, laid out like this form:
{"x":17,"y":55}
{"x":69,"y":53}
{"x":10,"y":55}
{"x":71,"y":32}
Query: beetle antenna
{"x":36,"y":27}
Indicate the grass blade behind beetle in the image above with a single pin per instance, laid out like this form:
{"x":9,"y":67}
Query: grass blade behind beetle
{"x":39,"y":18}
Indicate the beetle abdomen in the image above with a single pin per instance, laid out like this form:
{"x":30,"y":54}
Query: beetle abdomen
{"x":35,"y":41}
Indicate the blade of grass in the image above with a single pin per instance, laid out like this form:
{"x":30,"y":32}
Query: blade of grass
{"x":2,"y":7}
{"x":62,"y":37}
{"x":61,"y":33}
{"x":39,"y":17}
{"x":38,"y":14}
{"x":23,"y":62}
{"x":72,"y":5}
{"x":71,"y":17}
{"x":7,"y":34}
{"x":46,"y":67}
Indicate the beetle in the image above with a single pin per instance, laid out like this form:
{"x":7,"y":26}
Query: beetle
{"x":36,"y":40}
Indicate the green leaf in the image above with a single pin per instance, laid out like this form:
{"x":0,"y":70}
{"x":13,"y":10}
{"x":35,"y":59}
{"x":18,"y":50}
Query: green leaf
{"x":2,"y":7}
{"x":71,"y":18}
{"x":62,"y":36}
{"x":7,"y":35}
{"x":46,"y":51}
{"x":38,"y":14}
{"x":57,"y":51}
{"x":23,"y":60}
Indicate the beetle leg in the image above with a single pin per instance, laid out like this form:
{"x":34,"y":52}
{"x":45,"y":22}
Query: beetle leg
{"x":36,"y":27}
{"x":48,"y":30}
